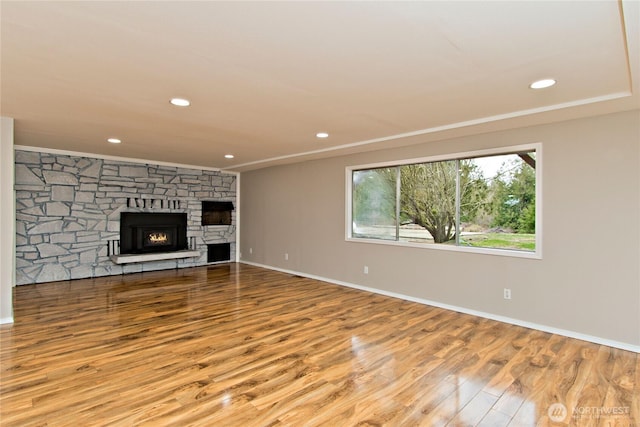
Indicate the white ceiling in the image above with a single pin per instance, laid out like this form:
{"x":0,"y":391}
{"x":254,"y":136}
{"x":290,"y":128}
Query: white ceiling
{"x":265,"y":77}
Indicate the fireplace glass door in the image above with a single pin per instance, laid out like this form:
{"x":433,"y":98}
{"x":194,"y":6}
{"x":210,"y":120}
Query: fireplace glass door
{"x":156,"y":238}
{"x":152,"y":232}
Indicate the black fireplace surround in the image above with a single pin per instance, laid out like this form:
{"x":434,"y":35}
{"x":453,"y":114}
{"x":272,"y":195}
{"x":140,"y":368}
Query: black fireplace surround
{"x":142,"y":233}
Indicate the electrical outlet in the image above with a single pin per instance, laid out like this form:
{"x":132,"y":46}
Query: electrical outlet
{"x":286,"y":257}
{"x":507,"y":293}
{"x":366,"y":269}
{"x":250,"y":251}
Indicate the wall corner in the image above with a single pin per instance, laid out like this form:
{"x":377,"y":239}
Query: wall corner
{"x":7,"y":220}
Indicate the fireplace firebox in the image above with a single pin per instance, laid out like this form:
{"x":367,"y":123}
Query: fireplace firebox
{"x":152,"y":232}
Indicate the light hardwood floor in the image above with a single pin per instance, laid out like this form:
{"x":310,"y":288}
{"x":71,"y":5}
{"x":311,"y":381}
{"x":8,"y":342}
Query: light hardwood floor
{"x":236,"y":345}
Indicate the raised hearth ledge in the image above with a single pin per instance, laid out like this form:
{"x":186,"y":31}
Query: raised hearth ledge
{"x":160,"y":256}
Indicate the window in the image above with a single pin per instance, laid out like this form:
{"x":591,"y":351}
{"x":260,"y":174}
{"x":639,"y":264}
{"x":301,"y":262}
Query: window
{"x":481,"y":202}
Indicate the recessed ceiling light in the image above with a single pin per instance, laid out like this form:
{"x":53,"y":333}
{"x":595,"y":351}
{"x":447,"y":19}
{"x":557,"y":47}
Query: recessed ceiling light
{"x":322,"y":135}
{"x":541,"y":84}
{"x":180,"y":102}
{"x":114,"y":140}
{"x":228,"y":156}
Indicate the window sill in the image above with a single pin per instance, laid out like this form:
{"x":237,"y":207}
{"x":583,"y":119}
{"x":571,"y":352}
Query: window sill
{"x":441,"y":247}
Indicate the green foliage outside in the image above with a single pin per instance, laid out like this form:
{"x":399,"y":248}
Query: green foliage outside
{"x":501,"y":208}
{"x":514,"y":195}
{"x":519,"y":241}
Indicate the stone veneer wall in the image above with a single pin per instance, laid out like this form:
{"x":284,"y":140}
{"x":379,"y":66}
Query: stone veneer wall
{"x":68,"y":208}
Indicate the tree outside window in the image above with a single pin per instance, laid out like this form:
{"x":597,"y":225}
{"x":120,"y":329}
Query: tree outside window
{"x":486,"y":202}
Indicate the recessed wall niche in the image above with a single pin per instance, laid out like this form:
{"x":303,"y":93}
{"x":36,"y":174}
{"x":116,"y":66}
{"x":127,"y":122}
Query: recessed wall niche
{"x":216,"y":213}
{"x":218,"y":252}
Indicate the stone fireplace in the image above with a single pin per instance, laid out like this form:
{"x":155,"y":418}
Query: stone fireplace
{"x":69,"y":210}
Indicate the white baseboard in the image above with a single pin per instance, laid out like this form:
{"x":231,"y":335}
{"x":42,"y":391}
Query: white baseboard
{"x":503,"y":319}
{"x":6,"y":320}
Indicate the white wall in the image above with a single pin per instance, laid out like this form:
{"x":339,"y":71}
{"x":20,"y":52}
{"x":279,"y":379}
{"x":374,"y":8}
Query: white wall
{"x":586,"y":285}
{"x":7,"y":221}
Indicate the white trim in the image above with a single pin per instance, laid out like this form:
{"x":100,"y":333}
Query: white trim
{"x":537,"y":254}
{"x":237,"y":230}
{"x":116,"y":158}
{"x":348,"y":217}
{"x":7,"y":219}
{"x":509,"y":149}
{"x":435,"y":129}
{"x":452,"y":248}
{"x":485,"y":315}
{"x":6,"y":320}
{"x":539,"y":186}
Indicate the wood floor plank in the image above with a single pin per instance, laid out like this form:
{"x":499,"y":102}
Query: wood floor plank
{"x":236,"y":345}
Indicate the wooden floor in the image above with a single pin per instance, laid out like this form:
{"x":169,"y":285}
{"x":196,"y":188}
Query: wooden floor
{"x":236,"y":345}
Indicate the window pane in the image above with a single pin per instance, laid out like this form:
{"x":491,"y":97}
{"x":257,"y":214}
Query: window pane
{"x":428,"y":202}
{"x":485,"y":202}
{"x":498,"y":199}
{"x":374,"y":203}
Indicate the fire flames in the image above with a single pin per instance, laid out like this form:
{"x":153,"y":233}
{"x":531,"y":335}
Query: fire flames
{"x":158,"y":238}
